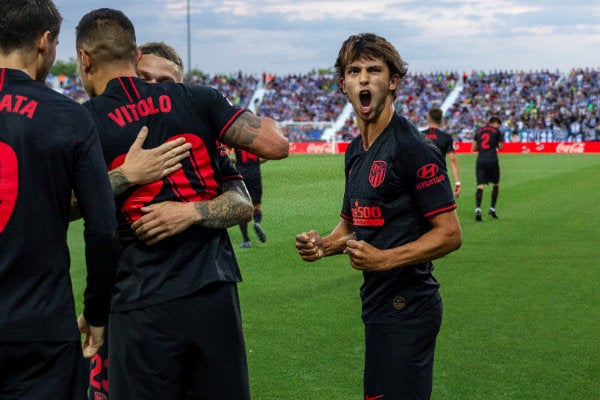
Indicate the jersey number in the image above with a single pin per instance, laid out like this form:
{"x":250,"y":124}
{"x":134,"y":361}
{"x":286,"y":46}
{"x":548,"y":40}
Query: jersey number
{"x":485,"y":141}
{"x":9,"y":183}
{"x":98,"y":370}
{"x":184,"y":183}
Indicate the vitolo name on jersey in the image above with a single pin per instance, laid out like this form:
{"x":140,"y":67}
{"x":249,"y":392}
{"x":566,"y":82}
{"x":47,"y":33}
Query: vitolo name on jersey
{"x":133,"y":112}
{"x":18,"y":104}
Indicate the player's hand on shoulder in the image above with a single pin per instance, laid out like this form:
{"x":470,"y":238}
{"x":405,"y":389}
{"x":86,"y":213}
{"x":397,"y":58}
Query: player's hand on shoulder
{"x":148,"y":165}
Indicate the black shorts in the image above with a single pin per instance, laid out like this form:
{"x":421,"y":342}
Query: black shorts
{"x":192,"y":347}
{"x":487,"y":172}
{"x":42,"y":371}
{"x":399,"y":357}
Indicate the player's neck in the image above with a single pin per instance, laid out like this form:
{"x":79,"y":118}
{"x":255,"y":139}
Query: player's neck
{"x":371,"y":129}
{"x":22,"y":61}
{"x":104,"y":75}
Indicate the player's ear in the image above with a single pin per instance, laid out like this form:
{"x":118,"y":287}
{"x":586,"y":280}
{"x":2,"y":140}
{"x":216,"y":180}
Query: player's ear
{"x":343,"y":86}
{"x":138,"y":56}
{"x":44,"y":42}
{"x":394,"y":82}
{"x":85,"y":60}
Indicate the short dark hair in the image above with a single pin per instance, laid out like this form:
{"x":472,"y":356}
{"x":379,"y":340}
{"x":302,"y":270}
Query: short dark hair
{"x":108,"y":35}
{"x":495,"y":120}
{"x":25,"y":21}
{"x":161,"y":49}
{"x":436,"y":114}
{"x":370,"y":46}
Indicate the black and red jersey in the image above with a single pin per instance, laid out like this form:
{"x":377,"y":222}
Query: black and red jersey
{"x":247,"y":164}
{"x":442,"y":140}
{"x":49,"y":146}
{"x":487,"y":139}
{"x":391,"y":190}
{"x":179,"y":265}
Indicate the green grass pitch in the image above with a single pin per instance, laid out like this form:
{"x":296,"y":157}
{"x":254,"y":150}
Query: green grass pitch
{"x":521,"y":297}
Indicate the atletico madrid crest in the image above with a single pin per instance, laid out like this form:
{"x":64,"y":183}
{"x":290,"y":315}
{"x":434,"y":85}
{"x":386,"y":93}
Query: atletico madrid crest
{"x":377,"y":174}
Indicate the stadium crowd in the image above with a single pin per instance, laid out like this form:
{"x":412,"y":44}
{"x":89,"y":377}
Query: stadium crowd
{"x":533,"y":106}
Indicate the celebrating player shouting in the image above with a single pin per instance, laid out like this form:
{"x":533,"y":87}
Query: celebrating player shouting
{"x":398,"y":214}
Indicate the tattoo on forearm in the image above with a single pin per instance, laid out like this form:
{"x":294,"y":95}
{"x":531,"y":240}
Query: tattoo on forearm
{"x":223,"y":212}
{"x":244,"y":130}
{"x":118,"y":181}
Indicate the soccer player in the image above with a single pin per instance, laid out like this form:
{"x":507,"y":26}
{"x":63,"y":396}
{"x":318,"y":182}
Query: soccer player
{"x":49,"y":148}
{"x":175,"y":324}
{"x":160,"y":62}
{"x":443,"y":141}
{"x":398,"y":214}
{"x":486,"y":142}
{"x":249,"y":166}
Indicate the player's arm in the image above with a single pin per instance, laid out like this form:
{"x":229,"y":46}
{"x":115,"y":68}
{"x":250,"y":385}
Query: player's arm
{"x":163,"y":220}
{"x":443,"y":237}
{"x":258,"y":135}
{"x":454,"y":167}
{"x":144,"y":166}
{"x":311,"y":246}
{"x":474,"y":146}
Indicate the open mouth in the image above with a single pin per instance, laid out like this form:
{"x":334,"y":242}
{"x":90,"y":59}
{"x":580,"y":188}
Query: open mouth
{"x":365,"y":98}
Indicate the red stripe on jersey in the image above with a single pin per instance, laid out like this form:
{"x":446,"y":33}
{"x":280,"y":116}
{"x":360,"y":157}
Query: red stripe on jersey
{"x":346,"y":217}
{"x":228,"y":124}
{"x":2,"y":78}
{"x":440,"y":211}
{"x":236,"y":177}
{"x":125,"y":90}
{"x":134,"y":87}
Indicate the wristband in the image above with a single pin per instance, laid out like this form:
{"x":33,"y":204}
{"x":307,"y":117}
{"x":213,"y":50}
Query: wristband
{"x":457,"y":183}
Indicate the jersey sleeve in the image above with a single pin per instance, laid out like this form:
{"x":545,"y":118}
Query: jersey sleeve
{"x":346,"y":211}
{"x":425,"y":172}
{"x":95,"y":199}
{"x":222,"y":113}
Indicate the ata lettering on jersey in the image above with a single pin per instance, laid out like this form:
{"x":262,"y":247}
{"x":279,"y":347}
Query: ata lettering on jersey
{"x":377,"y":173}
{"x":133,"y":112}
{"x":18,"y":104}
{"x":366,"y":215}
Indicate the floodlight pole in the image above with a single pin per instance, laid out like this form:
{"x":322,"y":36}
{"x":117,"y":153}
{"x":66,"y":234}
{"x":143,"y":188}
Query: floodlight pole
{"x":189,"y":40}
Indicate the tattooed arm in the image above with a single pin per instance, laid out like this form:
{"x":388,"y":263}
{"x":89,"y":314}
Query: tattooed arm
{"x":259,"y":136}
{"x":163,"y":220}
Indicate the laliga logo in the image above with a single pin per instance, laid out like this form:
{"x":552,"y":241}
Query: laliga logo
{"x":578,"y":148}
{"x":427,"y":171}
